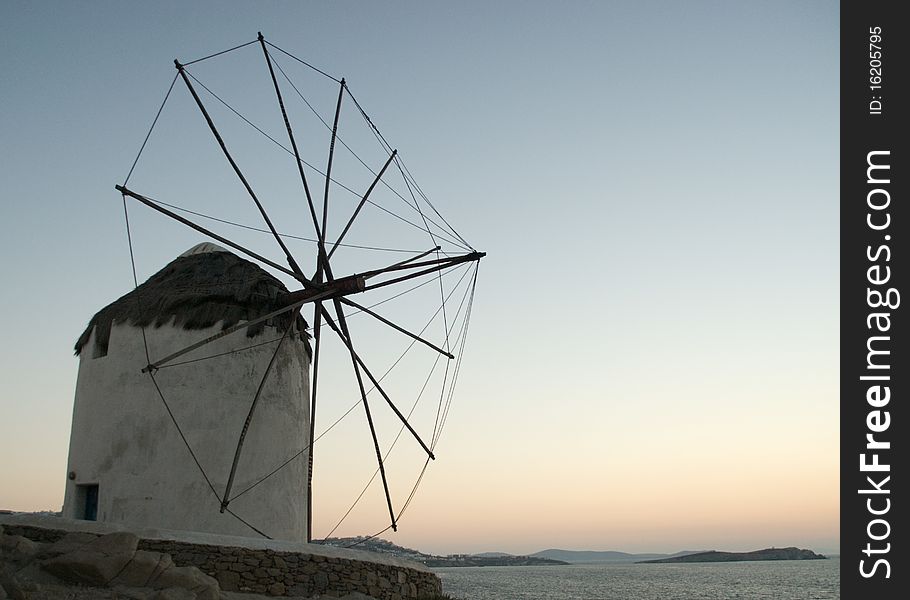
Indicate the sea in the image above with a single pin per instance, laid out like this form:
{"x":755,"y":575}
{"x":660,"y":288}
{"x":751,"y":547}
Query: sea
{"x":772,"y":580}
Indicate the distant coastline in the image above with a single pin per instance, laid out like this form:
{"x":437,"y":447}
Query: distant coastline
{"x":566,"y":557}
{"x":473,"y":560}
{"x":790,"y":553}
{"x":491,"y":559}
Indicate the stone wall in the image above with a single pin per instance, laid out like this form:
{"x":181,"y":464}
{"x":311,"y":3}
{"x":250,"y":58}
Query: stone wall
{"x":281,"y":572}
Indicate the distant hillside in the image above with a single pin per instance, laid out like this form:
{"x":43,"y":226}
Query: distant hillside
{"x":766,"y":554}
{"x":487,"y":559}
{"x":474,"y":560}
{"x":374,"y":545}
{"x":608,"y":556}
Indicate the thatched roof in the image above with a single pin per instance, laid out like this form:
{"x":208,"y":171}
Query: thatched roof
{"x":200,"y":288}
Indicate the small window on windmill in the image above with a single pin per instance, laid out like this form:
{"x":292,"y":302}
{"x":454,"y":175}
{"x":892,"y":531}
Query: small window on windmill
{"x":99,"y":350}
{"x":87,"y":501}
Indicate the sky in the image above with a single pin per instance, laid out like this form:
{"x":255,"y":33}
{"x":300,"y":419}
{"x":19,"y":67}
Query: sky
{"x":652,"y":359}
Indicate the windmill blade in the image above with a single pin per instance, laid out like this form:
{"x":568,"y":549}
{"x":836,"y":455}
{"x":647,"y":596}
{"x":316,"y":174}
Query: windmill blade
{"x":249,"y":419}
{"x":317,"y":329}
{"x":438,"y":265}
{"x":298,"y":161}
{"x":154,"y":205}
{"x":363,"y":201}
{"x":408,"y":264}
{"x":346,"y":340}
{"x":328,"y":177}
{"x":382,"y":319}
{"x":418,"y":257}
{"x":344,"y":334}
{"x":293,"y":263}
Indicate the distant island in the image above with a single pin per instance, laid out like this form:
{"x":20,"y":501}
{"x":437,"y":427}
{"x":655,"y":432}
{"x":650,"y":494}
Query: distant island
{"x":603,"y":556}
{"x":766,"y":554}
{"x":564,"y":557}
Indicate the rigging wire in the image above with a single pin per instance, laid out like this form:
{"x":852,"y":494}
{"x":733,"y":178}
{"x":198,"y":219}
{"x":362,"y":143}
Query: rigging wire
{"x":462,"y":335}
{"x":145,"y":345}
{"x":459,"y":361}
{"x":426,"y":464}
{"x":195,"y":360}
{"x":314,"y":168}
{"x":400,"y":512}
{"x":445,"y":321}
{"x":414,"y":489}
{"x":182,"y":435}
{"x":441,"y":291}
{"x":218,"y":53}
{"x":464,"y":338}
{"x":389,"y":451}
{"x":357,"y":403}
{"x":284,"y":235}
{"x":245,"y":522}
{"x":149,"y":134}
{"x":427,"y":200}
{"x":388,"y":150}
{"x":368,"y":538}
{"x":303,"y":62}
{"x":413,"y":407}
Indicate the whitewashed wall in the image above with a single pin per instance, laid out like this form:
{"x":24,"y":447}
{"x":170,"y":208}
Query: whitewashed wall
{"x":123,"y":439}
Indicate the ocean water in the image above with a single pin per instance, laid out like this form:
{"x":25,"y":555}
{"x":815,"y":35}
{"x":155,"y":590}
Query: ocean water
{"x":772,"y":580}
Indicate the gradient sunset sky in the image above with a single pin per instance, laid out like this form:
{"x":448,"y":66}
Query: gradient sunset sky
{"x":652,"y":363}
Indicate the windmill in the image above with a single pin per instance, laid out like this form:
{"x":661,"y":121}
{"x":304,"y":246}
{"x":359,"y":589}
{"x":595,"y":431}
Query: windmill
{"x":329,"y":294}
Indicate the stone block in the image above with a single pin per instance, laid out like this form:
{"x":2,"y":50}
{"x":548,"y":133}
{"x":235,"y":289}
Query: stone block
{"x":189,"y":578}
{"x":17,"y":547}
{"x":173,"y":594}
{"x":321,"y":580}
{"x":165,"y":562}
{"x":97,"y":562}
{"x":140,"y":569}
{"x":228,"y":580}
{"x":68,"y":543}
